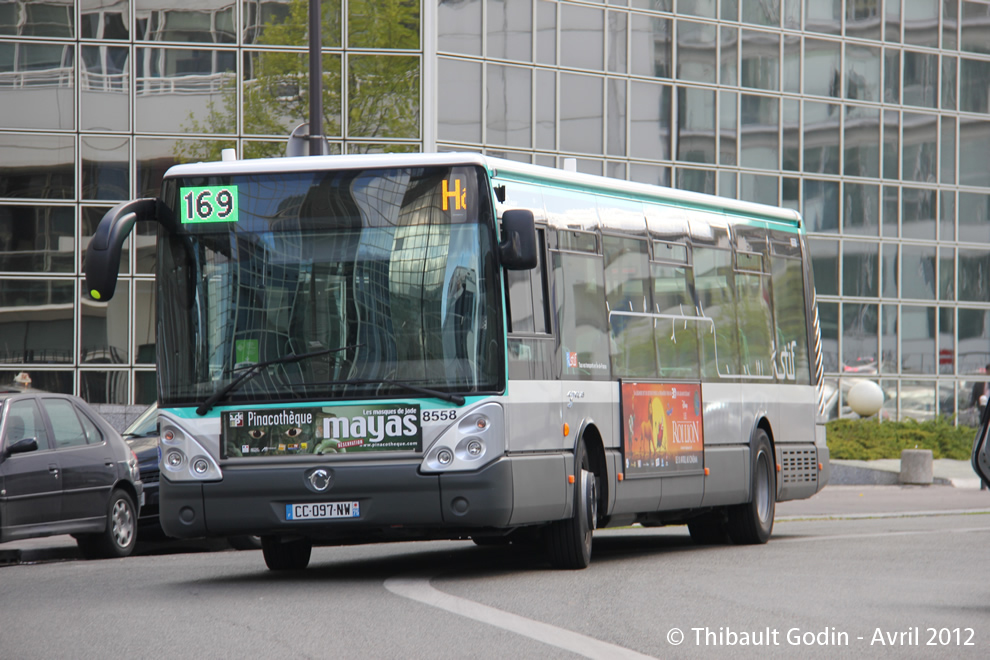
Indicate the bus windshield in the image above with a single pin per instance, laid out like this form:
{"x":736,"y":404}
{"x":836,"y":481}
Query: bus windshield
{"x":387,"y":276}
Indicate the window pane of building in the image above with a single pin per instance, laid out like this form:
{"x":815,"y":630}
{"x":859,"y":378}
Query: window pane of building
{"x":37,"y":324}
{"x":861,"y":209}
{"x":37,"y":87}
{"x":919,"y":207}
{"x":860,"y":269}
{"x":696,"y":125}
{"x":918,"y":340}
{"x":285,"y":23}
{"x":649,"y":121}
{"x":461,"y":121}
{"x":582,"y":37}
{"x":860,"y":346}
{"x":651,"y":46}
{"x":373,"y":24}
{"x":459,"y":26}
{"x":105,"y":386}
{"x":581,"y":123}
{"x":104,"y":89}
{"x":383,"y":96}
{"x":185,"y":90}
{"x":697,"y":53}
{"x":918,"y":271}
{"x":760,"y":61}
{"x":105,"y":168}
{"x":821,"y":137}
{"x":920,"y":85}
{"x":37,"y":239}
{"x":37,"y":166}
{"x":104,"y":327}
{"x":508,"y":106}
{"x":822,"y":71}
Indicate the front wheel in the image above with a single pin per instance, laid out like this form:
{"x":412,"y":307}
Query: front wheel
{"x":286,"y":555}
{"x":568,"y":541}
{"x":752,"y":523}
{"x":120,"y":536}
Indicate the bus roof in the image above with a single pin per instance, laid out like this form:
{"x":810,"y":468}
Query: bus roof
{"x":497,"y":167}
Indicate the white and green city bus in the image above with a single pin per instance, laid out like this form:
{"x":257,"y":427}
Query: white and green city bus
{"x":355,"y":349}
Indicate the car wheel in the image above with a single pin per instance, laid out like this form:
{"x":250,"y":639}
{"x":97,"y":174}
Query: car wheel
{"x":120,"y":535}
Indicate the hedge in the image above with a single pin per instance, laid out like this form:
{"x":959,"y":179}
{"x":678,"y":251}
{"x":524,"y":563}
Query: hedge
{"x":869,"y":439}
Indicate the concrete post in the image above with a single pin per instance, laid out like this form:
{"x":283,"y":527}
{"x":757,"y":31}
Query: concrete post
{"x":916,"y":466}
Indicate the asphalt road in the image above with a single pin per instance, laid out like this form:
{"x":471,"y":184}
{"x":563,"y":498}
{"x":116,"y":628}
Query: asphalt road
{"x":850,"y":582}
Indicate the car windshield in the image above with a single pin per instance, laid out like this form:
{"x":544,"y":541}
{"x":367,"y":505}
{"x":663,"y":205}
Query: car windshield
{"x":145,"y":425}
{"x":382,"y":275}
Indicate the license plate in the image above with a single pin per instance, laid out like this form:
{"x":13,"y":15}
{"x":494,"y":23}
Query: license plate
{"x":322,"y":510}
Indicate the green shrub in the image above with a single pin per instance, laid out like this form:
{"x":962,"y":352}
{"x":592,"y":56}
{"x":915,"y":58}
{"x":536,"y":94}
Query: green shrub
{"x":869,"y":439}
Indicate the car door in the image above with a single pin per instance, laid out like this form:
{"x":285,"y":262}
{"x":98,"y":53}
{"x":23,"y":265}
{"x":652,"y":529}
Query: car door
{"x":88,"y":469}
{"x":30,"y":482}
{"x":981,"y":448}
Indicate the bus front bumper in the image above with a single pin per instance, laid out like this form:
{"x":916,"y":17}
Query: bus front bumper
{"x":394,"y":501}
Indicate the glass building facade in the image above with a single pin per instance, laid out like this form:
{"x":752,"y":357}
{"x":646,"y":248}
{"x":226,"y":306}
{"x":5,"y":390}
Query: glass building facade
{"x":870,"y":117}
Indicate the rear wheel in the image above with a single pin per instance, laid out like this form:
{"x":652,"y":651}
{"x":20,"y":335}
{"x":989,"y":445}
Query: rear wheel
{"x":286,"y":555}
{"x":568,"y":541}
{"x":120,"y":536}
{"x":752,"y":522}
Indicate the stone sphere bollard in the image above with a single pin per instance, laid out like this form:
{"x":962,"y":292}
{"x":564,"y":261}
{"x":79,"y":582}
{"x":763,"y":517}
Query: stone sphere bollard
{"x":916,"y":466}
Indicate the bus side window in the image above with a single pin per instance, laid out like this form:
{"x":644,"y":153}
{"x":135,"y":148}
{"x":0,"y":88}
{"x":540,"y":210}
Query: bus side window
{"x":791,"y":328}
{"x":753,"y":313}
{"x":579,"y":294}
{"x":676,"y":304}
{"x":627,"y":291}
{"x":713,"y":278}
{"x":530,"y":343}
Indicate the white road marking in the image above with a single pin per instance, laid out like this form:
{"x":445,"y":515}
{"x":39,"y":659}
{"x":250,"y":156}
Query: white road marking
{"x":417,"y":587}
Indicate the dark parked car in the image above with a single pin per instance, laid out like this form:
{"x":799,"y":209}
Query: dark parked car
{"x":142,"y":437}
{"x":65,"y":470}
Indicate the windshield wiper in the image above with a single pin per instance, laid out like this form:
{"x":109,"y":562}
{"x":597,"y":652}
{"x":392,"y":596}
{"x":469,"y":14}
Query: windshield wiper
{"x":456,"y":399}
{"x":255,"y":369}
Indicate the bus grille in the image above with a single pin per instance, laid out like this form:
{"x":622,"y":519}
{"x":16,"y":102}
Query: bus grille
{"x":799,"y":466}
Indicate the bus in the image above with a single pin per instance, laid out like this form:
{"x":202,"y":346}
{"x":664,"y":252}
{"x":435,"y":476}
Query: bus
{"x":371,"y":348}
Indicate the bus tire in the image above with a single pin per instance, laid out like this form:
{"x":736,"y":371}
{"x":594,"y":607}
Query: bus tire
{"x":120,"y":536}
{"x":752,"y":523}
{"x":286,"y":555}
{"x":568,"y":542}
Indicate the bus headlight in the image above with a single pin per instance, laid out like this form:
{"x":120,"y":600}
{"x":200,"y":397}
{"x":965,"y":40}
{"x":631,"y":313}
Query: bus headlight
{"x":183,"y":458}
{"x":474,"y":440}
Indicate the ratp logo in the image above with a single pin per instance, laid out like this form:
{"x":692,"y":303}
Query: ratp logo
{"x":236,"y":419}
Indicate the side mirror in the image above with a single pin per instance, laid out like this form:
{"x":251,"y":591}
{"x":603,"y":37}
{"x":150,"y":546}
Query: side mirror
{"x":22,"y":446}
{"x":102,"y":261}
{"x":517,"y":251}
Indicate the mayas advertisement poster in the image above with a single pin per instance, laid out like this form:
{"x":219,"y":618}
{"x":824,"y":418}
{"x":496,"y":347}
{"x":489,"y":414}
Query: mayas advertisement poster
{"x":330,"y":430}
{"x":662,"y":431}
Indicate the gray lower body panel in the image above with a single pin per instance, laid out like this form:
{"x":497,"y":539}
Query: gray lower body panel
{"x":394,"y":500}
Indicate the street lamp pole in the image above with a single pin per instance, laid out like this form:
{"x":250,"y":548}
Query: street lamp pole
{"x":316,"y":141}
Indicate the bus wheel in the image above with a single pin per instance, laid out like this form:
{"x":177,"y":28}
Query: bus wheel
{"x":752,"y":522}
{"x":286,"y":555}
{"x":568,"y":541}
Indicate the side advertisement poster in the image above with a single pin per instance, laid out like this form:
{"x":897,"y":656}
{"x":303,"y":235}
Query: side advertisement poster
{"x":662,"y":430}
{"x":325,"y":430}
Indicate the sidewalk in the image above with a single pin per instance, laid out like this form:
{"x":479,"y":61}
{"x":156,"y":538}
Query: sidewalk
{"x":865,"y":489}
